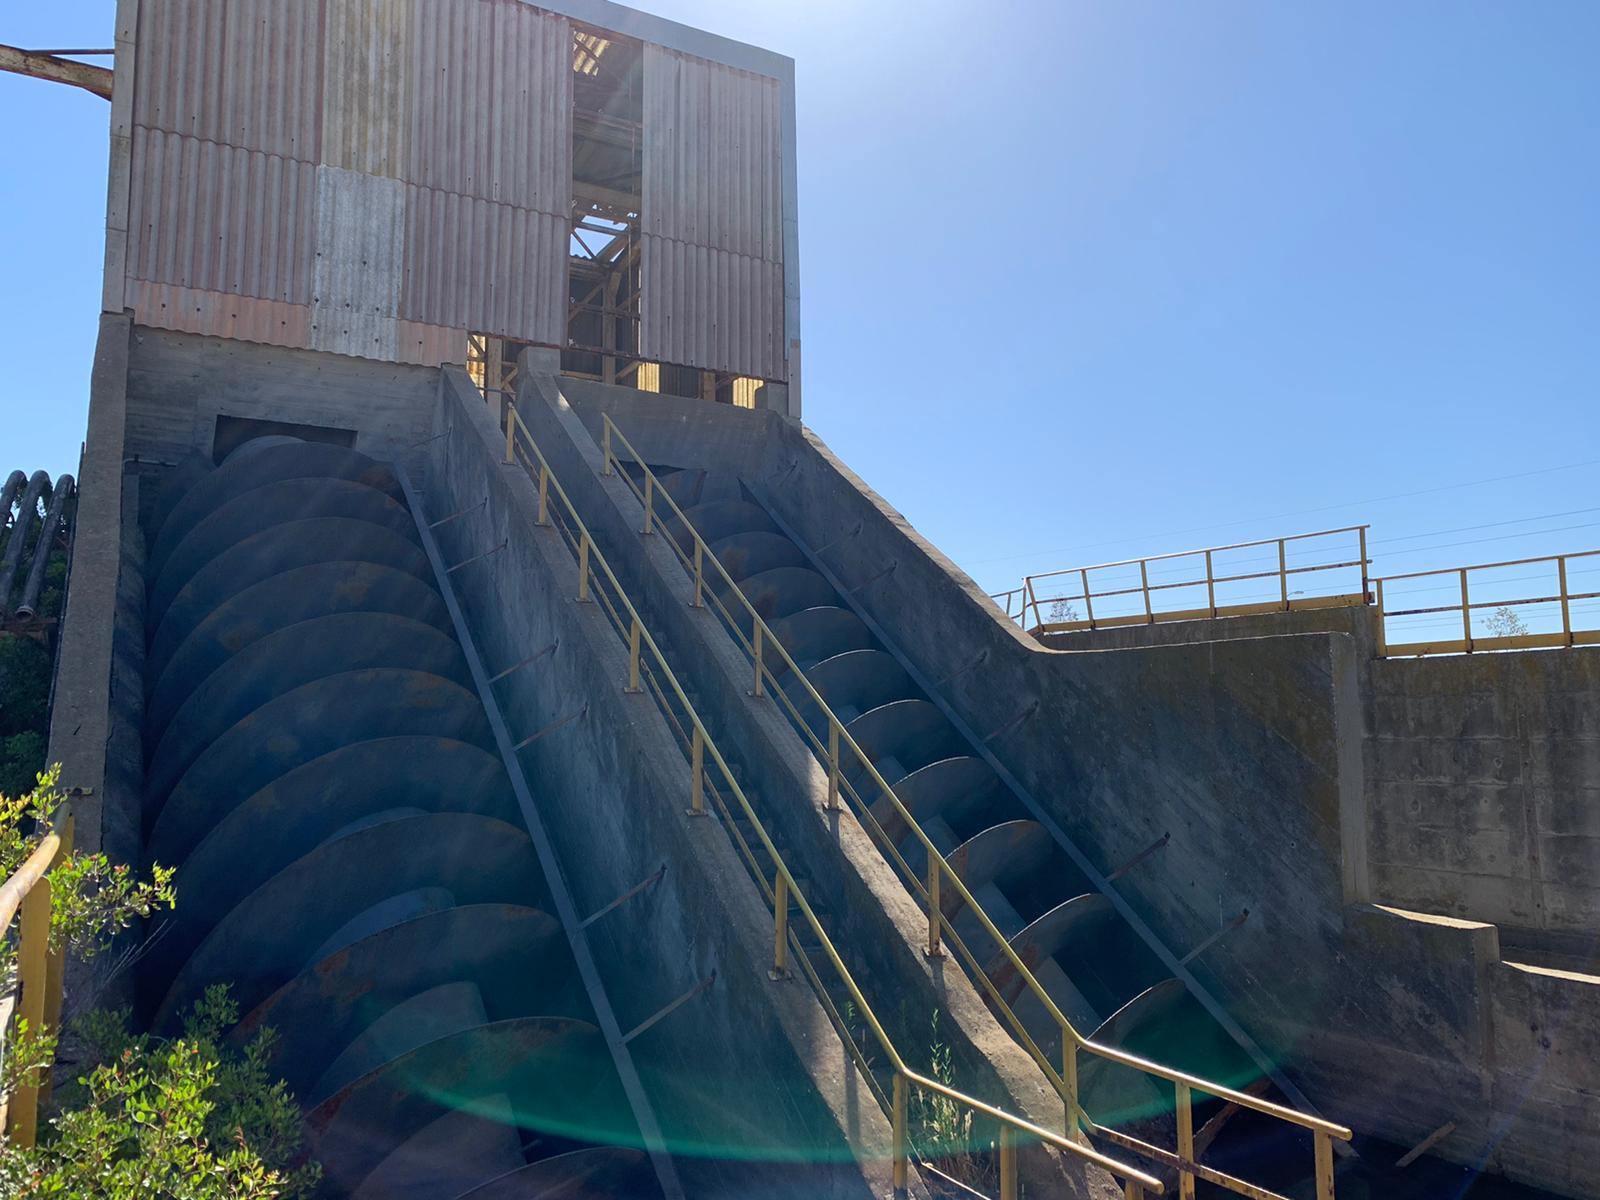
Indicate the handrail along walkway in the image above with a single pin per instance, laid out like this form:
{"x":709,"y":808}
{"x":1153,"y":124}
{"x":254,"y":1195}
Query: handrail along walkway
{"x":761,"y":645}
{"x":648,"y":665}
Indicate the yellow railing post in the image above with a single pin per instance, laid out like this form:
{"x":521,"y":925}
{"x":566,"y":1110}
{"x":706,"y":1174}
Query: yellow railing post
{"x":780,"y":925}
{"x":1324,"y":1155}
{"x":1008,"y":1162}
{"x":1144,"y":586}
{"x":760,"y":688}
{"x":1283,"y":574}
{"x":1185,"y":1141}
{"x":1211,"y":586}
{"x":699,"y":572}
{"x":1466,"y":612}
{"x":1383,"y":630}
{"x":1088,"y":600}
{"x":1362,"y":533}
{"x":649,"y":502}
{"x":833,"y":763}
{"x":634,"y":632}
{"x":1566,"y":611}
{"x":605,"y":446}
{"x":935,"y":869}
{"x":902,"y":1147}
{"x":1133,"y":1191}
{"x":697,"y":763}
{"x":583,"y":567}
{"x":1069,"y":1084}
{"x":544,"y":494}
{"x":511,"y":430}
{"x":33,"y":968}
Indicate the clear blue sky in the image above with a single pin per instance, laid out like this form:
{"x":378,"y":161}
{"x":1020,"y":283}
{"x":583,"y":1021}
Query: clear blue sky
{"x":1084,"y":281}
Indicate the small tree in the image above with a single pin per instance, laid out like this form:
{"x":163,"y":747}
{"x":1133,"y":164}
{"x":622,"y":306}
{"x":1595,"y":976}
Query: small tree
{"x":1063,"y":611}
{"x":1504,"y":622}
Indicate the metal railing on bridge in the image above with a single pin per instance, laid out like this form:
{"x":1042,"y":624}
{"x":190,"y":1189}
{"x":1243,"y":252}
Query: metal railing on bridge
{"x":772,"y":666}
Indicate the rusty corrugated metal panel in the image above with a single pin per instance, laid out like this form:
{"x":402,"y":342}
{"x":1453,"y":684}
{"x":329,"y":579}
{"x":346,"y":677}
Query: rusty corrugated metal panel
{"x":216,"y":314}
{"x":430,"y":345}
{"x":359,"y":253}
{"x":245,"y":73}
{"x":487,"y":267}
{"x":491,"y":115}
{"x":221,"y":219}
{"x":366,"y":82}
{"x":709,"y":308}
{"x":712,"y":294}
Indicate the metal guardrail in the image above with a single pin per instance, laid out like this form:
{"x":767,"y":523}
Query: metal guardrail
{"x":1518,"y":638}
{"x":648,"y":669}
{"x":1023,"y":602}
{"x":39,"y":968}
{"x":761,"y":646}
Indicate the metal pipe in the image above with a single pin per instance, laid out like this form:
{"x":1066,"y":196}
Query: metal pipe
{"x":26,"y":513}
{"x":42,"y":548}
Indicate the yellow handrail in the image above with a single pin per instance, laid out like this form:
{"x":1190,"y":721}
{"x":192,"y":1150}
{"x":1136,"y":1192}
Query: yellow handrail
{"x":597,"y":582}
{"x":1031,"y":601}
{"x":39,"y":967}
{"x":760,"y":646}
{"x":1510,"y":640}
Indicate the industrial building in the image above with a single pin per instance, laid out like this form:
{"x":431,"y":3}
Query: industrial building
{"x":604,"y":792}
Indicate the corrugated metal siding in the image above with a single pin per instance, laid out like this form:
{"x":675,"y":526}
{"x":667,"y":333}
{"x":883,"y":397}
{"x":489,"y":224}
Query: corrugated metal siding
{"x":244,"y":72}
{"x":367,"y":85}
{"x":189,"y":310}
{"x":429,"y":345}
{"x":492,"y":110}
{"x":360,"y":246}
{"x":708,"y":308}
{"x":487,"y":267}
{"x":712,"y":294}
{"x":220,"y":219}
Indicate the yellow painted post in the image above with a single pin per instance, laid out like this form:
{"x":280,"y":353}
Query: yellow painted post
{"x":760,"y":689}
{"x":56,"y":962}
{"x":1324,"y":1153}
{"x":649,"y":502}
{"x":697,"y":758}
{"x":511,"y":429}
{"x":1088,"y":601}
{"x":605,"y":447}
{"x":1144,"y":584}
{"x":1362,"y":532}
{"x":699,"y":573}
{"x":1566,"y":611}
{"x":1283,"y":573}
{"x":780,"y":925}
{"x":634,"y":631}
{"x":583,"y":568}
{"x":935,"y":869}
{"x":1383,"y":632}
{"x":833,"y":763}
{"x":1069,"y":1085}
{"x":902,"y":1145}
{"x":544,"y":493}
{"x":1185,"y":1141}
{"x":1133,"y":1190}
{"x":1211,"y":585}
{"x":1466,"y":612}
{"x":1008,"y":1162}
{"x":33,"y":969}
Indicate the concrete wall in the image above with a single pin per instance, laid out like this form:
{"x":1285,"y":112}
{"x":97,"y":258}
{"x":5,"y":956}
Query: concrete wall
{"x":750,"y":1069}
{"x":178,"y":384}
{"x":1485,"y":789}
{"x":1482,"y":773}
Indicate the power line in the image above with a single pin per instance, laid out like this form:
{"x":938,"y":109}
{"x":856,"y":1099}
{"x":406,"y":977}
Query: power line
{"x":1301,"y":512}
